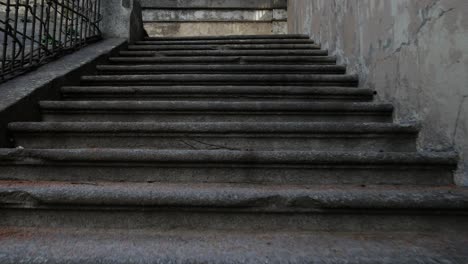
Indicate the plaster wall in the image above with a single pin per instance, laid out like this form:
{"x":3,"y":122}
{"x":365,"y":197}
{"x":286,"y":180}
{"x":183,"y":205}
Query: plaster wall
{"x":413,"y":53}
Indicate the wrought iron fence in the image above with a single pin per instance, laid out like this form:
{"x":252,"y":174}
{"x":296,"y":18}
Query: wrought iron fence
{"x":34,"y":32}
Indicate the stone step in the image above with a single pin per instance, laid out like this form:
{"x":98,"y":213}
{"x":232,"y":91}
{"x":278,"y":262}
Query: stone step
{"x":124,"y":246}
{"x":239,"y":207}
{"x":224,"y":69}
{"x":216,"y":111}
{"x":229,"y":42}
{"x":228,"y":53}
{"x":326,"y":60}
{"x":214,"y":93}
{"x":207,"y":136}
{"x":224,"y":79}
{"x":231,"y":37}
{"x":158,"y":47}
{"x":227,"y":166}
{"x":281,"y":53}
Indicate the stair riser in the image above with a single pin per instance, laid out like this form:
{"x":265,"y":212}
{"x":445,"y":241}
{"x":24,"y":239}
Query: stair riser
{"x":228,"y":53}
{"x":336,"y":70}
{"x":214,"y":97}
{"x":284,"y":60}
{"x":178,"y":219}
{"x":159,"y":47}
{"x":252,"y":141}
{"x":231,"y":42}
{"x":183,"y":172}
{"x":277,"y":52}
{"x":138,"y":116}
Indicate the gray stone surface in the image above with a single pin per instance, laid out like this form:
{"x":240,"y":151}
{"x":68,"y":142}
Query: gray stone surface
{"x":19,"y":97}
{"x":212,"y":93}
{"x":228,"y":166}
{"x":218,"y":4}
{"x":122,"y":19}
{"x":55,"y":246}
{"x":414,"y":53}
{"x":272,"y":58}
{"x":201,"y":111}
{"x":231,"y":69}
{"x":216,"y":15}
{"x":222,"y":17}
{"x":338,"y":184}
{"x":234,"y":136}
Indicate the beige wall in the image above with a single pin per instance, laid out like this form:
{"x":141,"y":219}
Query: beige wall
{"x":414,"y":53}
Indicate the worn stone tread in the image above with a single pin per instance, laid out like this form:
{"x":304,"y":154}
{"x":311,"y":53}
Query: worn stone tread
{"x":228,"y":91}
{"x":231,"y":69}
{"x":229,"y":53}
{"x":448,"y":159}
{"x":156,"y":46}
{"x":245,"y":197}
{"x":121,"y":246}
{"x":216,"y":127}
{"x":229,"y":37}
{"x":229,"y":42}
{"x":218,"y":106}
{"x":230,"y":79}
{"x":227,"y":59}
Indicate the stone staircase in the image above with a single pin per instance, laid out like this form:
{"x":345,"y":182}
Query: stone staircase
{"x":236,"y":149}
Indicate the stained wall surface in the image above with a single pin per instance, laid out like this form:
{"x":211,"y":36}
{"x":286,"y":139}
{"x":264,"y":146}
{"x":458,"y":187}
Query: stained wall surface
{"x":414,"y":53}
{"x":219,"y":17}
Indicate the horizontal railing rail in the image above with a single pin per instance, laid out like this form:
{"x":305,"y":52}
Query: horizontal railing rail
{"x":34,"y":32}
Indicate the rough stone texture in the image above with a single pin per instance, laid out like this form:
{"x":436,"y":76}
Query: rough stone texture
{"x":222,"y":17}
{"x":218,"y":4}
{"x":414,"y":53}
{"x":207,"y":28}
{"x":122,"y":19}
{"x":19,"y":97}
{"x":155,"y":15}
{"x":54,"y":246}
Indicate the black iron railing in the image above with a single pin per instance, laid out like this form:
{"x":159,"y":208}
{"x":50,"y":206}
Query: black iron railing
{"x":34,"y":32}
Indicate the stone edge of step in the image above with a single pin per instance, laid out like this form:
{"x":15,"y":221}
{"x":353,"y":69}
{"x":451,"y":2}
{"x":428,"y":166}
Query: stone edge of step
{"x":267,"y":90}
{"x":239,"y":196}
{"x":436,"y":159}
{"x":215,"y":127}
{"x":228,"y":67}
{"x":216,"y":105}
{"x":278,"y":36}
{"x":246,"y":59}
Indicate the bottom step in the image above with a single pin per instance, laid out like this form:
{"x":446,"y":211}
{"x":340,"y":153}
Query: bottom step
{"x":84,"y":246}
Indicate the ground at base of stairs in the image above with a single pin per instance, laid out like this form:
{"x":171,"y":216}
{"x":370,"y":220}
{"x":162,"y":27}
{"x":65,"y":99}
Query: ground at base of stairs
{"x":146,"y":246}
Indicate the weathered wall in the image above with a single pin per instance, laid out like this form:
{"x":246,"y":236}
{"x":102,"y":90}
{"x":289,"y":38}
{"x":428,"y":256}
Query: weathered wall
{"x":413,"y":53}
{"x":122,"y":19}
{"x":218,"y":17}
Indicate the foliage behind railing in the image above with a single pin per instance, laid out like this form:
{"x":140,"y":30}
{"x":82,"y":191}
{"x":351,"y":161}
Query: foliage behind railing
{"x":34,"y":32}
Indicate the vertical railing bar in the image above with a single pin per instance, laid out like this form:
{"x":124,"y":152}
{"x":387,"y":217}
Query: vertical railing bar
{"x":33,"y":32}
{"x":41,"y":30}
{"x":15,"y":29}
{"x":25,"y":27}
{"x":54,"y":31}
{"x":61,"y":24}
{"x":71,"y":35}
{"x":5,"y":39}
{"x":81,"y":22}
{"x":47,"y":28}
{"x":95,"y":17}
{"x":88,"y":21}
